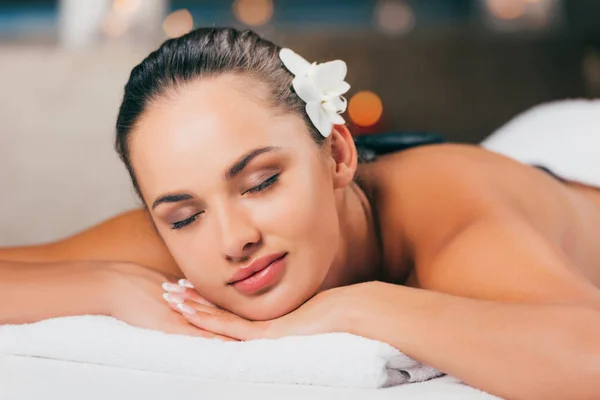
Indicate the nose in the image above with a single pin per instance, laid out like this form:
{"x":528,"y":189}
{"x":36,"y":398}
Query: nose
{"x":239,"y":237}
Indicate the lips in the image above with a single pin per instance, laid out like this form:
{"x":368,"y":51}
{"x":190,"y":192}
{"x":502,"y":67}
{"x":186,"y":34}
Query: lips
{"x":255,"y":266}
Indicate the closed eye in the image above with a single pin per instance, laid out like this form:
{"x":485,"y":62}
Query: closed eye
{"x":256,"y":189}
{"x":259,"y":188}
{"x":185,"y":222}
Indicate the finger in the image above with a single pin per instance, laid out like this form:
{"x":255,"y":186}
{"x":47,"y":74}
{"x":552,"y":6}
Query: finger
{"x":185,"y":283}
{"x":184,"y":289}
{"x":191,"y":330}
{"x":228,"y":325}
{"x":194,"y":296}
{"x":177,"y":294}
{"x":174,"y":288}
{"x":194,"y":330}
{"x":173,"y":300}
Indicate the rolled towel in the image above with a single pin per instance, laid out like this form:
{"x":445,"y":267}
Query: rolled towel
{"x":333,"y":359}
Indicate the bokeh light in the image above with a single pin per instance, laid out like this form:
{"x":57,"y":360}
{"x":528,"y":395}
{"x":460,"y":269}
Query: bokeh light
{"x":394,"y":17}
{"x":506,"y":9}
{"x":126,"y":6}
{"x":365,"y":108}
{"x":114,"y":27}
{"x":253,"y":12}
{"x":178,"y":23}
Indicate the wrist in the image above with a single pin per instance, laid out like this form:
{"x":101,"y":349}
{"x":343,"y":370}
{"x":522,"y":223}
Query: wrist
{"x":360,"y":307}
{"x":350,"y":308}
{"x":95,"y":283}
{"x":110,"y":281}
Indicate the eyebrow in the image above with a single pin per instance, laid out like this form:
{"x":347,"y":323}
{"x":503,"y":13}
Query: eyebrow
{"x":235,"y":169}
{"x":238,"y":166}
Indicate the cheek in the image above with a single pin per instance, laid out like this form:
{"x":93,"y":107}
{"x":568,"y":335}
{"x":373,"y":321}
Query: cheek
{"x":197,"y":259}
{"x":305,"y":218}
{"x":302,"y":211}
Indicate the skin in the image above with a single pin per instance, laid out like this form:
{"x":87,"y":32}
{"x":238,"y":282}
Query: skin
{"x":234,"y":227}
{"x":461,"y":240}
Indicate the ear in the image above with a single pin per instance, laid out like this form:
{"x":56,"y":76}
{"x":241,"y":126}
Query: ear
{"x":343,"y":154}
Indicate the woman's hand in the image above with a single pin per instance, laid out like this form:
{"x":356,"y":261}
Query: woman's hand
{"x":135,"y":296}
{"x":323,"y":313}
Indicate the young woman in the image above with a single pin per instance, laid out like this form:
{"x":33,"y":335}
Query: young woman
{"x":482,"y":267}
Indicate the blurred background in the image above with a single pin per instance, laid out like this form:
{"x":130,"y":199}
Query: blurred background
{"x":461,"y":68}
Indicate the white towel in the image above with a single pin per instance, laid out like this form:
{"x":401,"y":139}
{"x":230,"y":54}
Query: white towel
{"x":334,"y":359}
{"x":563,"y":136}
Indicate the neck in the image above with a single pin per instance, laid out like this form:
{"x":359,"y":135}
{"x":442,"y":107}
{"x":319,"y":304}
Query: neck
{"x":359,"y":257}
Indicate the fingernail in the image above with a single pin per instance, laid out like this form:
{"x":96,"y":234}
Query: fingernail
{"x":186,"y":309}
{"x":172,"y":298}
{"x":185,"y":283}
{"x":173,"y":288}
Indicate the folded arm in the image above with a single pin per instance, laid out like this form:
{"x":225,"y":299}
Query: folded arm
{"x":115,"y":268}
{"x":505,"y":312}
{"x":128,"y":237}
{"x":31,"y":292}
{"x":501,"y":309}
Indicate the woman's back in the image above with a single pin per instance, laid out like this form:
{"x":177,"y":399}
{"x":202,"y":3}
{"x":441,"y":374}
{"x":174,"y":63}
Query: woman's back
{"x":425,"y":193}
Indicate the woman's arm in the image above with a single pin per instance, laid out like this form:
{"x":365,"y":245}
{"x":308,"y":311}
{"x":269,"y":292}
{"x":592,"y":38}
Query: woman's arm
{"x":515,"y":351}
{"x":515,"y":320}
{"x":116,"y":269}
{"x":129,"y":237}
{"x":505,"y":312}
{"x":32,"y":292}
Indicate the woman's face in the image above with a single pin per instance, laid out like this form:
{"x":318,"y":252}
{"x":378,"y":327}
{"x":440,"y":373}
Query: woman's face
{"x":229,"y":181}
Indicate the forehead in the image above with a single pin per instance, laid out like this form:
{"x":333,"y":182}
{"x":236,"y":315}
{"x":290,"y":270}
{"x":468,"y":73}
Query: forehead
{"x":202,"y":127}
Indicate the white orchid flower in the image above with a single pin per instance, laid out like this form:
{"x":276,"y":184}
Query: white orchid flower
{"x":321,"y":86}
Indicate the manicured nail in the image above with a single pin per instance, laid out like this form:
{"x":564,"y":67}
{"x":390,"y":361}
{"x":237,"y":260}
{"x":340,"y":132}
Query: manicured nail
{"x":173,"y":288}
{"x":186,"y":309}
{"x":173,"y":298}
{"x":185,"y":283}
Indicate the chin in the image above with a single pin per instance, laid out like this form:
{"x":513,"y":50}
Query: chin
{"x":265,"y":315}
{"x":273,"y":304}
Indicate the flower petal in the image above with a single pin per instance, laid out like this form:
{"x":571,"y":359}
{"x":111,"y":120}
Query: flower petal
{"x":319,"y":118}
{"x":339,"y":90}
{"x":337,"y":119}
{"x":328,"y":76}
{"x":293,"y":62}
{"x":333,"y":108}
{"x":339,"y":103}
{"x":329,"y":107}
{"x":305,"y":90}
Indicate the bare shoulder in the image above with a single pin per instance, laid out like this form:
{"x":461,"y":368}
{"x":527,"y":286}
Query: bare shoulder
{"x":434,"y":191}
{"x":480,"y":225}
{"x":443,"y":162}
{"x":129,"y":236}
